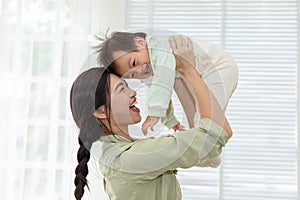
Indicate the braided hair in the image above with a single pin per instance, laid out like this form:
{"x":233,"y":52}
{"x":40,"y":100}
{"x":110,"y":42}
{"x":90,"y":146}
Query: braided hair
{"x":90,"y":90}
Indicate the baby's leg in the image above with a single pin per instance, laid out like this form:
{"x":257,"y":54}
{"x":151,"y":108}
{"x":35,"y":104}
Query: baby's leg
{"x":222,"y":81}
{"x":218,"y":70}
{"x":186,"y":99}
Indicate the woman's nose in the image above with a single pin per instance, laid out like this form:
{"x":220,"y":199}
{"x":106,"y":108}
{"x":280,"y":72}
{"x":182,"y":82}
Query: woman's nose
{"x":132,"y":93}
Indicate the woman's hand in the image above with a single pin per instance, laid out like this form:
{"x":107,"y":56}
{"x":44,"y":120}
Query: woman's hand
{"x":183,"y":52}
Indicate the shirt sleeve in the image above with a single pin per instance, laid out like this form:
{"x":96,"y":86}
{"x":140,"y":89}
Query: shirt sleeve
{"x":163,"y":62}
{"x":170,"y":120}
{"x":150,"y":158}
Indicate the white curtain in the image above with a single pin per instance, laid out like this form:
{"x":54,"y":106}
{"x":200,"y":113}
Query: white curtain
{"x":260,"y":161}
{"x":43,"y":46}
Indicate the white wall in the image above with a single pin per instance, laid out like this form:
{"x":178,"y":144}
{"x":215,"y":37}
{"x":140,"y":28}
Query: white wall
{"x":109,"y":14}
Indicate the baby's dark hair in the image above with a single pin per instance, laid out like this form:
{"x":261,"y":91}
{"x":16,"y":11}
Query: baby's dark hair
{"x":116,"y":41}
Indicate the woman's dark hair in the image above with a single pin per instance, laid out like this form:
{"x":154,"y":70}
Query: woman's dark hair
{"x":90,"y":90}
{"x":117,"y":41}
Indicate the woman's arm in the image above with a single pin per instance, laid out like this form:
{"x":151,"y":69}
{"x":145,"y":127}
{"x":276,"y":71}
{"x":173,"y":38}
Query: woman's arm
{"x":209,"y":108}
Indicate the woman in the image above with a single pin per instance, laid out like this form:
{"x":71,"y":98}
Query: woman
{"x":103,"y":106}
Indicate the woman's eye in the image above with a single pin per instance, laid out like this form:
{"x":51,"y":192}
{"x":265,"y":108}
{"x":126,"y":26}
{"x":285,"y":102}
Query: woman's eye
{"x":122,"y":89}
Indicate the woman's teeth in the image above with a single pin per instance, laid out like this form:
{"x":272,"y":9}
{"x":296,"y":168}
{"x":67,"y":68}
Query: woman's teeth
{"x":134,"y":109}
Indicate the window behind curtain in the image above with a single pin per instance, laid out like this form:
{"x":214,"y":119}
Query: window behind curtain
{"x":260,"y":161}
{"x":43,"y":44}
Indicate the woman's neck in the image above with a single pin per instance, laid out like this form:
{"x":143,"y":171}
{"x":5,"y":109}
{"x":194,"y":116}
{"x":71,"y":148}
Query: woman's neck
{"x":115,"y":129}
{"x":122,"y":131}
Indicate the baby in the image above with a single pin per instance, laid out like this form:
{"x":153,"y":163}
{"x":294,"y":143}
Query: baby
{"x":136,"y":55}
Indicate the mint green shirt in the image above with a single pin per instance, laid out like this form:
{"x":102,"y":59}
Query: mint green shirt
{"x":146,"y":168}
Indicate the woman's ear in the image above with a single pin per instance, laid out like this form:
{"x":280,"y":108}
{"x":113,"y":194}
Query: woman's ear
{"x":100,"y":113}
{"x":140,"y":42}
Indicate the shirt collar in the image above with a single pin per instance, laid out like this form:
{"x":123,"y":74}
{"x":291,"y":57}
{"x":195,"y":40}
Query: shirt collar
{"x":114,"y":138}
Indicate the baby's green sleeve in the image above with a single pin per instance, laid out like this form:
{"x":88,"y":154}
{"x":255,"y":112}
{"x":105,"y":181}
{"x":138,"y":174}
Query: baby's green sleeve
{"x":170,"y":120}
{"x":163,"y":62}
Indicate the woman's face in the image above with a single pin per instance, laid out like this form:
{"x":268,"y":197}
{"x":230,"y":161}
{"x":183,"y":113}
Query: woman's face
{"x":123,"y":100}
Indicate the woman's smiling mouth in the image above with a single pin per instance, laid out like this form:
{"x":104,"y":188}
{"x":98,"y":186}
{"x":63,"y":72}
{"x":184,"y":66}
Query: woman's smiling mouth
{"x":133,"y":107}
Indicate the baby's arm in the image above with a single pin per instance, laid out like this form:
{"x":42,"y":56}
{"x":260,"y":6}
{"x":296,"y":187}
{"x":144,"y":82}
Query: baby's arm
{"x":170,"y":120}
{"x":163,"y":61}
{"x":157,"y":107}
{"x":149,"y":123}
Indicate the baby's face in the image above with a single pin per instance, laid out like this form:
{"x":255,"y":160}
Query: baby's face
{"x":134,"y":64}
{"x":139,"y":72}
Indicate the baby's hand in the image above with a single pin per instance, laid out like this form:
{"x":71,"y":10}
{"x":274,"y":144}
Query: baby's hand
{"x":179,"y":127}
{"x":149,"y":123}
